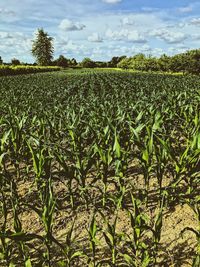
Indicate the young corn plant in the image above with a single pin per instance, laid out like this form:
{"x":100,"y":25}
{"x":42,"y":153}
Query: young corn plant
{"x":186,"y":165}
{"x":42,"y":166}
{"x":69,"y":173}
{"x":140,"y":253}
{"x":41,"y":159}
{"x":113,"y":240}
{"x":157,"y":229}
{"x":82,"y":163}
{"x":104,"y":161}
{"x":178,"y":167}
{"x":148,"y":150}
{"x":70,"y":251}
{"x":144,"y":143}
{"x":6,"y":246}
{"x":147,"y":159}
{"x":193,"y":163}
{"x":17,"y":224}
{"x":92,"y":234}
{"x":162,"y":159}
{"x":121,"y":163}
{"x":16,"y":141}
{"x":47,"y":217}
{"x":195,"y":205}
{"x":5,"y":182}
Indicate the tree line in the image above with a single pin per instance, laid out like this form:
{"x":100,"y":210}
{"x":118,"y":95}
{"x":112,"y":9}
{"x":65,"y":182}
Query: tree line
{"x":188,"y":62}
{"x":43,"y":50}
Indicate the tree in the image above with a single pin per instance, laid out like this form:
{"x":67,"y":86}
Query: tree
{"x":125,"y":63}
{"x":88,"y":63}
{"x":62,"y":61}
{"x":191,"y":61}
{"x":164,"y":62}
{"x":15,"y":62}
{"x":42,"y":48}
{"x":73,"y":62}
{"x":1,"y":61}
{"x":114,"y":61}
{"x":101,"y":64}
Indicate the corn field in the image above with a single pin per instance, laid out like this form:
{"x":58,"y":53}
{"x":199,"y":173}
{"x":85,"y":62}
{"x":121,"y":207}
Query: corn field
{"x":99,"y":168}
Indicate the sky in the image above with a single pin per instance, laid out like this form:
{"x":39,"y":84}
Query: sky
{"x":99,"y":29}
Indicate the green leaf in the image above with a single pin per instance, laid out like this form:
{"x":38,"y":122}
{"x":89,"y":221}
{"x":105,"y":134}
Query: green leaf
{"x":109,"y":239}
{"x":77,"y":254}
{"x":129,"y":260}
{"x":177,"y":168}
{"x":28,"y":263}
{"x":93,"y":227}
{"x":196,"y":261}
{"x":146,"y":260}
{"x":62,"y":264}
{"x":2,"y":256}
{"x":138,"y":118}
{"x":145,"y":155}
{"x":1,"y":158}
{"x":117,"y":147}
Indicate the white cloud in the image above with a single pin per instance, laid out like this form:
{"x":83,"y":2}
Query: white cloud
{"x":133,"y":50}
{"x":135,"y":36}
{"x":67,"y":45}
{"x":97,"y":53}
{"x":127,"y":21}
{"x":181,"y":25}
{"x":146,"y":49}
{"x":60,"y":42}
{"x":95,"y":37}
{"x":186,"y":9}
{"x":125,"y":35}
{"x":177,"y":50}
{"x":13,"y":37}
{"x":5,"y":35}
{"x":5,"y":11}
{"x":114,"y":35}
{"x":71,"y":46}
{"x":7,"y":15}
{"x":112,"y":1}
{"x":169,"y":36}
{"x":15,"y":44}
{"x":68,"y":25}
{"x":195,"y":36}
{"x":195,"y":21}
{"x":150,"y":9}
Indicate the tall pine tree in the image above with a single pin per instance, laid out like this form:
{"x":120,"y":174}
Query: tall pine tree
{"x":42,"y":48}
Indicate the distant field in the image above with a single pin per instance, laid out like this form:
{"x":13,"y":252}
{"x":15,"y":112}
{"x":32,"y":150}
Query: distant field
{"x":99,"y":168}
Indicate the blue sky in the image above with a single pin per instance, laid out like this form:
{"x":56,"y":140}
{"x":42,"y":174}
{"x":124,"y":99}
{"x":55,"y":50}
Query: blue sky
{"x":100,"y":29}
